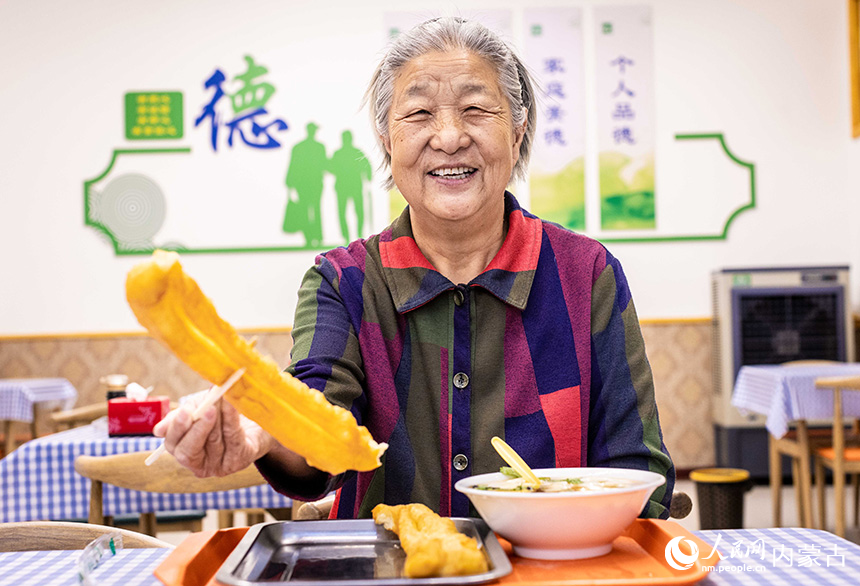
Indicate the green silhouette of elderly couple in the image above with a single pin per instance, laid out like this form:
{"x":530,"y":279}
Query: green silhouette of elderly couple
{"x":305,"y":174}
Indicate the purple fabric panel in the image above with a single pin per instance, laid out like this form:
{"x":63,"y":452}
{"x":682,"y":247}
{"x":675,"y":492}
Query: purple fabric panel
{"x":580,"y":261}
{"x":521,"y":392}
{"x":381,"y":357}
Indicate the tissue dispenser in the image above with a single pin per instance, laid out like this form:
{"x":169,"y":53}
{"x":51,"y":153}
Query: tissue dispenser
{"x":129,"y":417}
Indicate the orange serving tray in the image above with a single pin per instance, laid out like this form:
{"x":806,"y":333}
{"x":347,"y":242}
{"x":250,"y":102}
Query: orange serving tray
{"x":637,"y":558}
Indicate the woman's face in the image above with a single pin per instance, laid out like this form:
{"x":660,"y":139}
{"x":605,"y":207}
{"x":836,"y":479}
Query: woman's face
{"x":451,"y":137}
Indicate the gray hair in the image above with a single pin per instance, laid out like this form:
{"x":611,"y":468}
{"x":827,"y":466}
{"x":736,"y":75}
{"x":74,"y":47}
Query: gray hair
{"x":444,"y":34}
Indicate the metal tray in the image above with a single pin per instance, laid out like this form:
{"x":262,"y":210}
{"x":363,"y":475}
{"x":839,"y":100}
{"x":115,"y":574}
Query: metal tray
{"x":342,"y":552}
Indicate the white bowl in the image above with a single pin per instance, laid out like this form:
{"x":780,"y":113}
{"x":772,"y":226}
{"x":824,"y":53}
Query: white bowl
{"x":562,"y":525}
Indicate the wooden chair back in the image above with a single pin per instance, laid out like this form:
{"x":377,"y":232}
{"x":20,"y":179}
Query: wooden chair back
{"x":59,"y":535}
{"x":165,"y":475}
{"x":78,"y":416}
{"x":842,"y":459}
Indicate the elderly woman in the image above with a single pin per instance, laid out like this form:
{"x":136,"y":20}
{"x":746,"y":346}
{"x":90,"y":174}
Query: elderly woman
{"x":467,"y":318}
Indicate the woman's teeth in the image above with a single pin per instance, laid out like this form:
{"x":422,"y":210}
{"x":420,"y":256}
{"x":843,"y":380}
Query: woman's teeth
{"x":453,"y":172}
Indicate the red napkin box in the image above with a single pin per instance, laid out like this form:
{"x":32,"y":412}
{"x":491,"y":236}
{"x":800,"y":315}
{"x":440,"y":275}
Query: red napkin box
{"x":129,"y":417}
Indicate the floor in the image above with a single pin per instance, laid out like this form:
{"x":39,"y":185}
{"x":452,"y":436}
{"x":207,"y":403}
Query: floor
{"x":757,"y":512}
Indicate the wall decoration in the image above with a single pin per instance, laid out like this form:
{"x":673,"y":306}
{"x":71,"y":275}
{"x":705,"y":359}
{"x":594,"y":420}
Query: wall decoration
{"x":247,"y":103}
{"x":257,"y":169}
{"x":718,"y":192}
{"x":240,"y":191}
{"x":153,"y":115}
{"x":305,"y":175}
{"x":625,"y":116}
{"x":553,"y":47}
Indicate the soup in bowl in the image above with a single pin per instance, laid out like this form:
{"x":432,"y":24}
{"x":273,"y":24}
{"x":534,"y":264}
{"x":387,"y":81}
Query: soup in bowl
{"x":576,"y":513}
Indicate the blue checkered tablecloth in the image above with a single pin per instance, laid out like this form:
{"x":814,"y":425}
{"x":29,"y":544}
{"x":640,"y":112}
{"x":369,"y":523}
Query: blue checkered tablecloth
{"x":38,"y":481}
{"x":787,"y":393}
{"x":817,"y":557}
{"x":129,"y":567}
{"x":780,"y":557}
{"x":17,"y":396}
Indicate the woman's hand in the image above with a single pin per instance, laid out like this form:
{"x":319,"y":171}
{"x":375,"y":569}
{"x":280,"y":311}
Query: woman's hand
{"x":218,"y":443}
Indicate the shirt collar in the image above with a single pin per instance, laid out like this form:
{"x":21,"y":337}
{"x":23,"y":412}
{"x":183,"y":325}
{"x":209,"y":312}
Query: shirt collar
{"x":414,"y":281}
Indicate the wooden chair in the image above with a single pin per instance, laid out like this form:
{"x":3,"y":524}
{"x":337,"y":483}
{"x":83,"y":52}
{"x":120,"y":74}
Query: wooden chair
{"x":799,"y":445}
{"x":59,"y":535}
{"x":840,"y":458}
{"x":166,"y":475}
{"x":78,"y":416}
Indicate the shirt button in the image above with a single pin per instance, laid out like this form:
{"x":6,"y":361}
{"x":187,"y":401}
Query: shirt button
{"x":461,"y":379}
{"x":458,"y":297}
{"x":460,"y":462}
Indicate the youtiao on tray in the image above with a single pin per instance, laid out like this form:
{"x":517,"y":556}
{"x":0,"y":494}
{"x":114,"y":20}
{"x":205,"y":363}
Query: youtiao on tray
{"x":170,"y":304}
{"x":432,"y":543}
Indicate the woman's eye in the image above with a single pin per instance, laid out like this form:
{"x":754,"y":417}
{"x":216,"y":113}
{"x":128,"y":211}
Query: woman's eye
{"x":419,"y":113}
{"x":474,"y":109}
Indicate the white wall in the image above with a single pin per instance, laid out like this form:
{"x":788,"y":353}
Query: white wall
{"x":772,"y":75}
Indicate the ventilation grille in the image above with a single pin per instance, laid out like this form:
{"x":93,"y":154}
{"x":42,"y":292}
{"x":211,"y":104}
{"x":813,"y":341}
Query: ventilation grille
{"x":779,"y":327}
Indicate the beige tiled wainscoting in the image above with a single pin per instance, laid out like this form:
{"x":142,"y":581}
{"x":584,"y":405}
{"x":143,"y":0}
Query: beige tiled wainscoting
{"x":679,"y":351}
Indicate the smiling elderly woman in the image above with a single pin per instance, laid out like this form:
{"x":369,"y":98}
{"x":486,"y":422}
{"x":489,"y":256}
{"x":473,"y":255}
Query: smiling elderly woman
{"x":467,"y":318}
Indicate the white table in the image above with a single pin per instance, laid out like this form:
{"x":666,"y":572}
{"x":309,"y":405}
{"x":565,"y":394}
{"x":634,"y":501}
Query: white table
{"x":786,"y":394}
{"x":38,"y":481}
{"x":19,"y":396}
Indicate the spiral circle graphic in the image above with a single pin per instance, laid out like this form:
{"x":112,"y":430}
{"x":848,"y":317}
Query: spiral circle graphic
{"x":133,"y":208}
{"x":677,"y":558}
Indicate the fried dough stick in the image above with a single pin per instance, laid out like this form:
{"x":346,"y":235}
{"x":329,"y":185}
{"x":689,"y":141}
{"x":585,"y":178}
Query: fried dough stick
{"x":432,"y":543}
{"x":170,"y":304}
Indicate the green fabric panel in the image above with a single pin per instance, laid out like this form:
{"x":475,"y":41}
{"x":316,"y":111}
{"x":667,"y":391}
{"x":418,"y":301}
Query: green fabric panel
{"x":603,"y":288}
{"x":423,"y":408}
{"x":643,"y":384}
{"x":306,"y":313}
{"x":488,"y":379}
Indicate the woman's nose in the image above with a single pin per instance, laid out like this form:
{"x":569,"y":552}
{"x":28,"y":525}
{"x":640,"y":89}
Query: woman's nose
{"x":449,"y":133}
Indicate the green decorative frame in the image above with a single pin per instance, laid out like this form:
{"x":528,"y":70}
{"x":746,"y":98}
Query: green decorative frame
{"x":147,"y":251}
{"x":698,"y":237}
{"x":640,"y":239}
{"x":88,"y":184}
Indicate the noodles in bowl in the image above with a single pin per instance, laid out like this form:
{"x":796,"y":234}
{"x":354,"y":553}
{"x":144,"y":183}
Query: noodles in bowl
{"x":575,"y":513}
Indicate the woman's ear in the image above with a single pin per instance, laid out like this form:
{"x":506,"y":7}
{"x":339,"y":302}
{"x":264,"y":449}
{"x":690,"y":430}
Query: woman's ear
{"x":386,"y":142}
{"x":519,"y":133}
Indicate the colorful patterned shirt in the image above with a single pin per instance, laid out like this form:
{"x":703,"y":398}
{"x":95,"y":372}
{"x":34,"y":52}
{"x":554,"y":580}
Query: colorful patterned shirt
{"x":542,"y":349}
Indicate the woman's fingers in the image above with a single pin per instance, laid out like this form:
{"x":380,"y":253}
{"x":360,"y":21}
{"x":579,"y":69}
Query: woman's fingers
{"x":216,"y":444}
{"x":186,"y":439}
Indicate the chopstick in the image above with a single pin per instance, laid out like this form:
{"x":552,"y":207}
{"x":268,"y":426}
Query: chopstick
{"x":210,"y":399}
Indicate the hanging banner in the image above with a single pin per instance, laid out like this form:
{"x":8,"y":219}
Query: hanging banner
{"x":553,"y":53}
{"x":624,"y":83}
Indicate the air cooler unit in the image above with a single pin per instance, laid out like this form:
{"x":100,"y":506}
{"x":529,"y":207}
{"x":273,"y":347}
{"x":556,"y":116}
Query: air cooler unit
{"x":771,"y":316}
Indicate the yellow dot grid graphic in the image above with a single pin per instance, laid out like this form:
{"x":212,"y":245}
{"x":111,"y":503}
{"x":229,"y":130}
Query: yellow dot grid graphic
{"x":153,"y":116}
